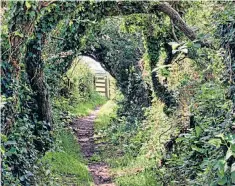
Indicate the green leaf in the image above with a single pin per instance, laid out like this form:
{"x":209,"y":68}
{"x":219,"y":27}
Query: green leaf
{"x":12,"y":150}
{"x":231,"y":139}
{"x":194,"y":147}
{"x":185,"y":50}
{"x":222,"y":181}
{"x":215,"y":142}
{"x":2,"y":149}
{"x":220,"y":164}
{"x":174,"y":45}
{"x":233,"y":167}
{"x":3,"y":137}
{"x":232,"y":147}
{"x":198,"y":131}
{"x":22,"y":178}
{"x":28,"y":5}
{"x":10,"y":143}
{"x":233,"y":177}
{"x":197,"y":45}
{"x":220,"y":136}
{"x":179,"y":139}
{"x":47,"y":172}
{"x":228,"y":154}
{"x":32,"y":14}
{"x":17,"y":33}
{"x":226,"y":167}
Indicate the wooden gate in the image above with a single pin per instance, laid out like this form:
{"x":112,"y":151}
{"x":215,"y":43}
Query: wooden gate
{"x":102,"y":84}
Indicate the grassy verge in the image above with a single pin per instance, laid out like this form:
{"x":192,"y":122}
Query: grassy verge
{"x":85,"y":107}
{"x":79,"y":106}
{"x":129,"y":168}
{"x":105,"y":115}
{"x":65,"y":165}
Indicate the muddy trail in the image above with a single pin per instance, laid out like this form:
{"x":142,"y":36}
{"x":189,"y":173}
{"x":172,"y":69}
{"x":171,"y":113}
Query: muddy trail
{"x":84,"y":128}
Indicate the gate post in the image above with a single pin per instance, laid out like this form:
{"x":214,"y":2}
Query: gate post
{"x":106,"y":87}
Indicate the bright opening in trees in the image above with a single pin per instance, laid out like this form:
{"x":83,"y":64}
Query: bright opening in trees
{"x":129,"y":93}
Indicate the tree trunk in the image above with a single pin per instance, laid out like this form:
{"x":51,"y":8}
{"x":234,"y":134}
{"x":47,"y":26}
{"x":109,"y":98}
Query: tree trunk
{"x":34,"y":69}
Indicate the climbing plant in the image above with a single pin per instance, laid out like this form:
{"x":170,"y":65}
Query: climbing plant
{"x":141,"y":44}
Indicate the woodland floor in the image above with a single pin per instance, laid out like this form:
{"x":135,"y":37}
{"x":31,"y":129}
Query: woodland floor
{"x":84,"y":128}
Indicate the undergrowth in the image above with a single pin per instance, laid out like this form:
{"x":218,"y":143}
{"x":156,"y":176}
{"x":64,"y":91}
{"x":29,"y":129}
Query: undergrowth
{"x":78,"y":106}
{"x":105,"y":115}
{"x":175,"y":123}
{"x":64,"y":164}
{"x":133,"y":156}
{"x":67,"y":165}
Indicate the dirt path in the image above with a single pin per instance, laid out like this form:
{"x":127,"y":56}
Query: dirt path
{"x":85,"y":133}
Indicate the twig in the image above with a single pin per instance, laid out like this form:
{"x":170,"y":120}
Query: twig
{"x":230,"y":65}
{"x":173,"y":31}
{"x":164,"y":133}
{"x":47,"y":4}
{"x":77,"y":62}
{"x":14,"y":48}
{"x":59,"y":38}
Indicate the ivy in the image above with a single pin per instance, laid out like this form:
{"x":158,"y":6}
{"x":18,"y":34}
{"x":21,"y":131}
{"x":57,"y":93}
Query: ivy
{"x":40,"y":41}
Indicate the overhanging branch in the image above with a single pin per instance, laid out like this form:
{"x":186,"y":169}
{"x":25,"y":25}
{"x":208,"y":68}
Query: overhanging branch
{"x":128,"y":8}
{"x":176,"y":18}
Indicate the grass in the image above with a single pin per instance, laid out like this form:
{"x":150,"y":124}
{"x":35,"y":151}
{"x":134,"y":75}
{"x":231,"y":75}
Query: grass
{"x":105,"y":115}
{"x":68,"y":166}
{"x":79,"y":106}
{"x":137,"y":171}
{"x":84,"y":108}
{"x":128,"y":169}
{"x":145,"y":178}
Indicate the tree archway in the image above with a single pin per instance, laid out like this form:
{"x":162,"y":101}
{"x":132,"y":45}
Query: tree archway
{"x":34,"y":63}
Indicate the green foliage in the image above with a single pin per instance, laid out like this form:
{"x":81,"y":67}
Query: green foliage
{"x":77,"y":95}
{"x":194,"y":142}
{"x":77,"y":106}
{"x":132,"y":151}
{"x":191,"y":146}
{"x":25,"y":141}
{"x":80,"y":79}
{"x":119,"y":53}
{"x":67,"y":166}
{"x":204,"y":155}
{"x":144,"y":178}
{"x":106,"y":113}
{"x":22,"y":149}
{"x":65,"y":163}
{"x":202,"y":146}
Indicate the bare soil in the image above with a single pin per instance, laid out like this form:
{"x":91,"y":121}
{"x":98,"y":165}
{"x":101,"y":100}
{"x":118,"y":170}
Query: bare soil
{"x":84,"y":128}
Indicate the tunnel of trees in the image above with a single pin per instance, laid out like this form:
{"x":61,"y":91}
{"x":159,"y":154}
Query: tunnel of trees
{"x":138,"y":43}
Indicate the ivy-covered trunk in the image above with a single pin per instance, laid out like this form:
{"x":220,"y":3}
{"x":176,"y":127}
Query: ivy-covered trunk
{"x":153,"y":50}
{"x":34,"y":62}
{"x":228,"y":43}
{"x":34,"y":69}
